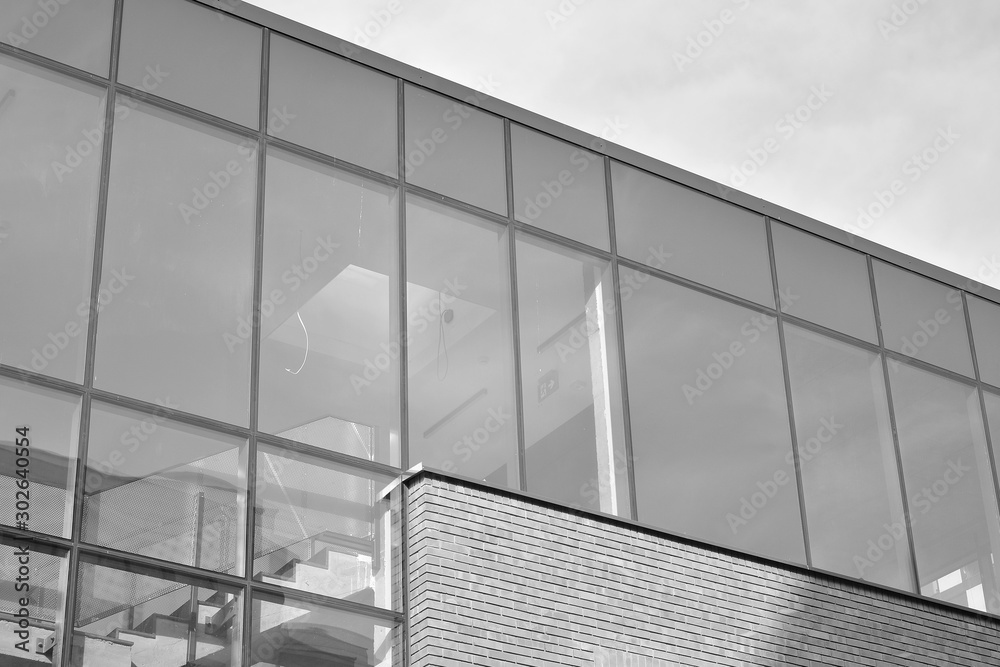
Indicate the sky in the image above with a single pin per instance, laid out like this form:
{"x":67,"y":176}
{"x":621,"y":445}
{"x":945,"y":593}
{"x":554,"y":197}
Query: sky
{"x":880,"y":117}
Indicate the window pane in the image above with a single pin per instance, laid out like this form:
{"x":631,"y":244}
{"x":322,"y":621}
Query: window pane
{"x":710,"y":432}
{"x":131,"y":615}
{"x":217,"y":69}
{"x":847,"y":458}
{"x":985,"y":316}
{"x":178,"y":259}
{"x":823,"y":282}
{"x":329,"y":372}
{"x":922,"y":318}
{"x":456,"y":150}
{"x":322,"y":527}
{"x":292,"y":632}
{"x":50,"y":146}
{"x":75,"y":33}
{"x":953,"y":507}
{"x":159,"y":488}
{"x":573,"y":426}
{"x":690,"y":234}
{"x":559,"y":187}
{"x":51,"y":420}
{"x":332,"y":105}
{"x":460,"y":358}
{"x":37,"y":644}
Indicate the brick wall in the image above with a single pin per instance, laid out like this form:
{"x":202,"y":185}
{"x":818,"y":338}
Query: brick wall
{"x":501,"y":580}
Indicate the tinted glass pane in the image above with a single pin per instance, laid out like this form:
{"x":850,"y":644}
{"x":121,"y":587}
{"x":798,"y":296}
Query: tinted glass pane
{"x":461,"y":386}
{"x":688,"y":233}
{"x":922,"y":318}
{"x":985,"y":316}
{"x":332,"y":105}
{"x":847,"y":458}
{"x":573,"y":424}
{"x":178,"y":258}
{"x":455,"y":149}
{"x":39,"y":460}
{"x":953,"y":507}
{"x":192,"y":55}
{"x":329,"y":373}
{"x":710,"y":430}
{"x":126,"y":615}
{"x":36,"y":644}
{"x":159,"y":488}
{"x":322,"y":527}
{"x":559,"y":187}
{"x":75,"y":33}
{"x":292,"y":632}
{"x":50,"y":165}
{"x":823,"y":282}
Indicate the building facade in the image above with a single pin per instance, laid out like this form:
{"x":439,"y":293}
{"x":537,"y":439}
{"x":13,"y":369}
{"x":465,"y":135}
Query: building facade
{"x":310,"y":358}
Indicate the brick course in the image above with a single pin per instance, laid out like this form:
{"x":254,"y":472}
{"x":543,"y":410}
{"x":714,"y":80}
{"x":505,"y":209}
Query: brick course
{"x":498,"y":579}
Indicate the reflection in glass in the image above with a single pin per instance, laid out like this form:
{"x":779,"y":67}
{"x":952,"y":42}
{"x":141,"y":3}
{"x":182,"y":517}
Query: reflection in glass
{"x":74,"y":33}
{"x":143,"y":617}
{"x":329,"y":372}
{"x":322,"y":527}
{"x":823,"y":282}
{"x":922,"y":318}
{"x":691,"y":234}
{"x":162,"y":489}
{"x":573,"y":425}
{"x":50,"y":165}
{"x":713,"y":452}
{"x":178,"y":259}
{"x":332,"y":105}
{"x":985,"y":316}
{"x":847,"y":459}
{"x":460,"y":357}
{"x":953,"y":506}
{"x":559,"y":187}
{"x":292,"y":632}
{"x":47,"y":575}
{"x":455,"y":149}
{"x":217,"y":70}
{"x":49,"y":423}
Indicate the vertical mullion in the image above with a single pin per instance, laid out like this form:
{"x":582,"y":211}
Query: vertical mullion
{"x":515,"y":315}
{"x":401,"y":284}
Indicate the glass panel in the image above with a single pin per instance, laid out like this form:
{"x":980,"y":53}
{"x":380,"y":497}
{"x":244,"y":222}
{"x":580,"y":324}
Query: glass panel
{"x":144,"y":617}
{"x":51,"y":139}
{"x":985,"y":316}
{"x":332,"y":105}
{"x":559,"y":187}
{"x":848,"y":462}
{"x":329,"y":342}
{"x":292,"y":632}
{"x":75,"y":33}
{"x":573,"y":425}
{"x":322,"y":527}
{"x":159,"y":488}
{"x":922,"y":318}
{"x":455,"y":149}
{"x":39,"y":431}
{"x":38,"y":575}
{"x":710,"y":433}
{"x":178,"y":260}
{"x":953,"y":506}
{"x":691,"y":234}
{"x":824,"y":282}
{"x":216,"y":70}
{"x":460,"y":357}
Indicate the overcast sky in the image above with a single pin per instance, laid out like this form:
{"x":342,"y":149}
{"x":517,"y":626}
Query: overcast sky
{"x":840,"y":101}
